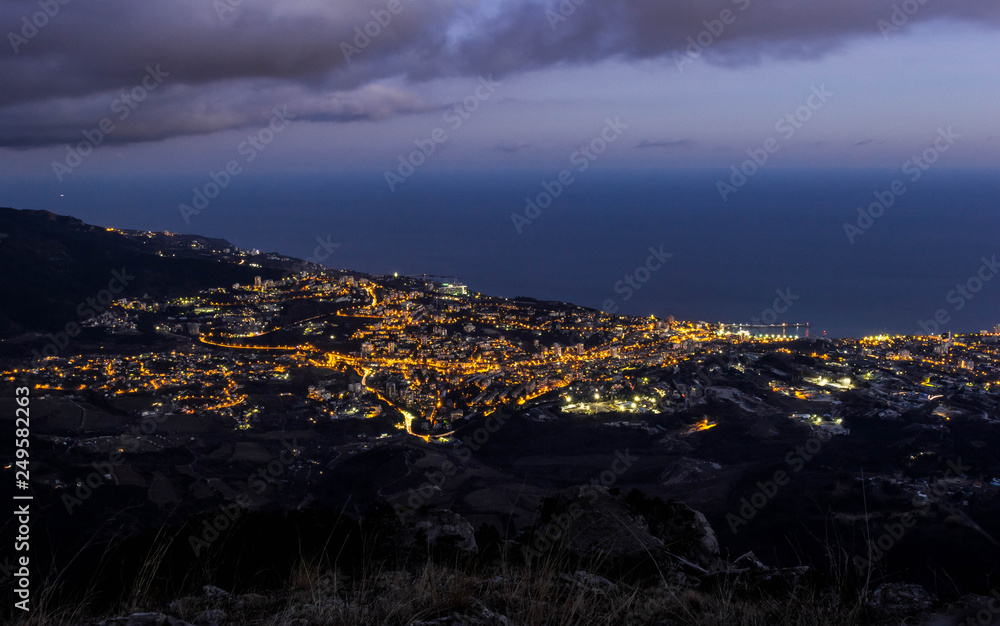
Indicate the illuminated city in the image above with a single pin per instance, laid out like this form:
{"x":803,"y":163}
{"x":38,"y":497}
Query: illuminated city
{"x":500,"y":313}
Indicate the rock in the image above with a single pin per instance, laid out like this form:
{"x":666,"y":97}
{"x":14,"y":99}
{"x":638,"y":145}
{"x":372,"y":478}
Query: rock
{"x":590,"y":524}
{"x":214,"y":592}
{"x":749,"y":561}
{"x":251,"y":602}
{"x":630,"y":532}
{"x":969,"y":609}
{"x":901,"y":599}
{"x":438,"y":529}
{"x":697,"y":528}
{"x":685,"y":532}
{"x":211,"y":617}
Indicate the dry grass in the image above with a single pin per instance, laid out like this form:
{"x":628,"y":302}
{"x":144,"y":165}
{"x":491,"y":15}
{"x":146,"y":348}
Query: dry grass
{"x":542,"y":592}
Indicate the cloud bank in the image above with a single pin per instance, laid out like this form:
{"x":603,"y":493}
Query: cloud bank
{"x":229,"y":62}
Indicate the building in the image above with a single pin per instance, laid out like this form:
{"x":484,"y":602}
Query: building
{"x":454,"y":289}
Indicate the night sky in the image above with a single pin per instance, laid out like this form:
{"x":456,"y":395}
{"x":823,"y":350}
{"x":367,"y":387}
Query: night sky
{"x":690,"y":97}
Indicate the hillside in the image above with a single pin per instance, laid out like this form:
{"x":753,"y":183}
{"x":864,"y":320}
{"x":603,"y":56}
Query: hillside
{"x":52,"y":264}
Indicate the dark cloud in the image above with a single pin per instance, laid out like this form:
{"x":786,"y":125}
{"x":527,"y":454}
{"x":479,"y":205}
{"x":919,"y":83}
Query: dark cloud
{"x":228,"y":70}
{"x":644,"y":29}
{"x":185,"y":110}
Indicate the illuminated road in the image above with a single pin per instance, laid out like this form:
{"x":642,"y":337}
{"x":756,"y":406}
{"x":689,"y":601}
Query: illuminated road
{"x":493,"y":372}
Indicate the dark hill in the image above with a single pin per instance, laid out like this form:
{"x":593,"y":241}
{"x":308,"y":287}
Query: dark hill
{"x":50,"y":264}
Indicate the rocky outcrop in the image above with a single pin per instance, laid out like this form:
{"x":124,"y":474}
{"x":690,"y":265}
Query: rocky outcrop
{"x":668,"y":540}
{"x":590,"y":524}
{"x":898,"y":600}
{"x":685,"y":532}
{"x":437,"y":530}
{"x":969,"y":609}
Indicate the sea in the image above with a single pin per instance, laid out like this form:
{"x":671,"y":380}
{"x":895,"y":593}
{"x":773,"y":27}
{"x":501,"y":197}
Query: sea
{"x":845,"y":250}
